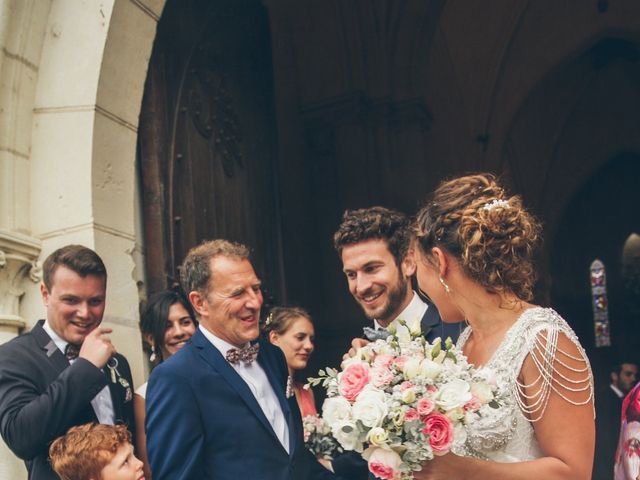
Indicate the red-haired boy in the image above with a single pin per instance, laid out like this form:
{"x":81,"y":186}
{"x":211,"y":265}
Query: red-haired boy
{"x":95,"y":452}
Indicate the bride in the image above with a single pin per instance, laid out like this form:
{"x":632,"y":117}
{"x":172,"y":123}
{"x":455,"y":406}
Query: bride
{"x":474,"y":255}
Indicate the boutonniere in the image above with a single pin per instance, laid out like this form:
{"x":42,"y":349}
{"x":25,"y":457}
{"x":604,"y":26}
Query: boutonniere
{"x":128,"y":394}
{"x":289,"y":391}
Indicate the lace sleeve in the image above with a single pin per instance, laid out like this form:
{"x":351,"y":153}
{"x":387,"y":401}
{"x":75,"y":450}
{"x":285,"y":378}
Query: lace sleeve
{"x":560,"y":366}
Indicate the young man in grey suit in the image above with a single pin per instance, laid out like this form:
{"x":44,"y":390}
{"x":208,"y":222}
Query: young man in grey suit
{"x":57,"y":375}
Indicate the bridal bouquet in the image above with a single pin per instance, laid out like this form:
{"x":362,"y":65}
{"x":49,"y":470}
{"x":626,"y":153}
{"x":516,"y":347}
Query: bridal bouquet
{"x":402,"y":400}
{"x":318,"y":438}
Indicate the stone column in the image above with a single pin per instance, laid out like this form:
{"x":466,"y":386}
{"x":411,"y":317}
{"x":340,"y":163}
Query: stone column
{"x":18,"y":255}
{"x":18,"y":267}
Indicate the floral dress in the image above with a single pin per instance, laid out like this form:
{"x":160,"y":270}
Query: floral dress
{"x":508,"y":435}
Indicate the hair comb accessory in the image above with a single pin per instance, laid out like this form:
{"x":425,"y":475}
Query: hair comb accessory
{"x":495,"y":203}
{"x":269,"y":319}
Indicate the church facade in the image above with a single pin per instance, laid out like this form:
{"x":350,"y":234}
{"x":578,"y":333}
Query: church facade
{"x":141,"y":127}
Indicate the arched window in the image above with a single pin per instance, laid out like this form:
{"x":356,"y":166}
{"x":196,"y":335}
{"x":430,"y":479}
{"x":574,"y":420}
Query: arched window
{"x":599,"y":301}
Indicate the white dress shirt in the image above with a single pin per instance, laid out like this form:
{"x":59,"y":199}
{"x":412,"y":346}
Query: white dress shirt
{"x":101,"y":403}
{"x":414,"y":311}
{"x":257,"y":381}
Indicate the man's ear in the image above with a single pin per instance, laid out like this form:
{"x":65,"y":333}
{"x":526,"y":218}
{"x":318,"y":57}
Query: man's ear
{"x":44,"y":291}
{"x":408,"y":265}
{"x":198,"y":302}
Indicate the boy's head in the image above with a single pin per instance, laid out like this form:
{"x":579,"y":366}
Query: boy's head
{"x":95,"y":452}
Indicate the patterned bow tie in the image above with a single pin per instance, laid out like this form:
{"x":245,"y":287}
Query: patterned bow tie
{"x":71,"y":351}
{"x":372,"y":334}
{"x":245,"y":355}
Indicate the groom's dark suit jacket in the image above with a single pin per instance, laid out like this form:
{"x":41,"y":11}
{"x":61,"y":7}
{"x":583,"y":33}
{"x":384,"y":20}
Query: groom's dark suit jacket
{"x":203,"y":422}
{"x":42,"y":396}
{"x":433,"y":326}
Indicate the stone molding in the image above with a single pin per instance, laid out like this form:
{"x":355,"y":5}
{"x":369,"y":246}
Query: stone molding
{"x":18,"y":264}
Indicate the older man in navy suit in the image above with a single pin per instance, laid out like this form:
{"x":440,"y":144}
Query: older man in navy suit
{"x":222,"y":408}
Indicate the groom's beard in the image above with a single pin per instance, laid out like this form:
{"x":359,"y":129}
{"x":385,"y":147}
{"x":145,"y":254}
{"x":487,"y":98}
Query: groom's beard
{"x":387,"y":312}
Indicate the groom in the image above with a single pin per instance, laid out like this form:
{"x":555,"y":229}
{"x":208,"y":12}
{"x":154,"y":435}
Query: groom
{"x":222,"y":407}
{"x":374,"y":245}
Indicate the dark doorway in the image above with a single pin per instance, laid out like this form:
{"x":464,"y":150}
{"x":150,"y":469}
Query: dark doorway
{"x":596,"y":224}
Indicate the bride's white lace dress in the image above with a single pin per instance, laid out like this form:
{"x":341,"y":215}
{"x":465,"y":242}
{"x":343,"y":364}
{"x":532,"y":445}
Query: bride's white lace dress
{"x":508,"y":436}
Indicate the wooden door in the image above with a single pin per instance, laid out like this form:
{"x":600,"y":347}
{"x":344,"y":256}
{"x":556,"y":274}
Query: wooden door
{"x":206,"y":143}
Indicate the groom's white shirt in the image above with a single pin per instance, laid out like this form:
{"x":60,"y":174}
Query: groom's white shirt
{"x":257,"y":381}
{"x":415,"y":310}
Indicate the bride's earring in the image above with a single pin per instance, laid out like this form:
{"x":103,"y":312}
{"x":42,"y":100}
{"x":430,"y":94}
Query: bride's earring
{"x":446,"y":287}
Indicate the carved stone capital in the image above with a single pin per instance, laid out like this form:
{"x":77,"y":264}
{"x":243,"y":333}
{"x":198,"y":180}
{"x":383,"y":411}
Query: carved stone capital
{"x":18,"y":264}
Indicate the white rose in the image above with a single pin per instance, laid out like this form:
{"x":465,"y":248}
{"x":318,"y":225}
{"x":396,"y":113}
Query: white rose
{"x":404,"y":337}
{"x":482,"y":391}
{"x":365,"y":353}
{"x":336,"y":409}
{"x":355,"y":359}
{"x":453,"y":395}
{"x":415,"y":328}
{"x":346,"y":433}
{"x":440,"y":357}
{"x":411,"y":368}
{"x":408,"y":396}
{"x":430,"y":369}
{"x":377,"y":436}
{"x":456,"y":414}
{"x":383,"y":458}
{"x":370,"y":407}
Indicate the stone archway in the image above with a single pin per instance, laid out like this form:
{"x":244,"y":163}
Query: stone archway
{"x":73,"y":75}
{"x":83,"y":147}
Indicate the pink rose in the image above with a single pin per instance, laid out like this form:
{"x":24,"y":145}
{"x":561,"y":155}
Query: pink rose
{"x":432,"y":389}
{"x":399,"y":362}
{"x":425,"y":406}
{"x":353,"y":379}
{"x":383,"y":463}
{"x":383,"y":360}
{"x":472,"y":405}
{"x":406,"y":386}
{"x":411,"y":415}
{"x":440,"y":431}
{"x":381,"y":376}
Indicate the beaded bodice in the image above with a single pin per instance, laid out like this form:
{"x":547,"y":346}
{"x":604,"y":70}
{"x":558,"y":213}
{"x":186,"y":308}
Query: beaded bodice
{"x":508,"y":435}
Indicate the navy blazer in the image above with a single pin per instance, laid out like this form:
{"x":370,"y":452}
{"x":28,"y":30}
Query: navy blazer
{"x":203,"y":422}
{"x":42,"y":396}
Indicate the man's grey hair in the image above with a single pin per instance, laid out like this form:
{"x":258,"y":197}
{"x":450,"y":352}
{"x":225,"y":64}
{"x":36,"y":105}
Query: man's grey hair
{"x":195,"y":273}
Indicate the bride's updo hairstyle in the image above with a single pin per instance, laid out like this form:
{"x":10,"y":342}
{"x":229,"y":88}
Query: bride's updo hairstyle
{"x":488,"y":231}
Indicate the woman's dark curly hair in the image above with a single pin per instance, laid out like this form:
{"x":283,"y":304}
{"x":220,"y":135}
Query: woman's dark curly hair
{"x":489,"y":231}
